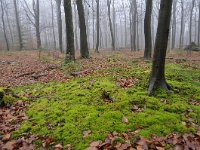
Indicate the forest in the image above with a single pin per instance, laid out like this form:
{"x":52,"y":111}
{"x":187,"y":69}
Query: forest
{"x":100,"y":74}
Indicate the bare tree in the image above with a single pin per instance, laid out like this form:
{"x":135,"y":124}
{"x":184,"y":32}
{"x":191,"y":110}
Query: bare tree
{"x":110,"y":24}
{"x":52,"y":23}
{"x":157,"y":79}
{"x":59,"y":22}
{"x":36,"y":16}
{"x":18,"y":25}
{"x":147,"y":29}
{"x":182,"y":25}
{"x":83,"y":32}
{"x":98,"y":27}
{"x":191,"y":17}
{"x":174,"y":24}
{"x":4,"y":26}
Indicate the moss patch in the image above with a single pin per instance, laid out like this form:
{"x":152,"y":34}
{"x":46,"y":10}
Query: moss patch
{"x":66,"y":110}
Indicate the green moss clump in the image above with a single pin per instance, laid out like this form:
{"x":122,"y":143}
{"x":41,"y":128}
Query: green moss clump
{"x":66,"y":110}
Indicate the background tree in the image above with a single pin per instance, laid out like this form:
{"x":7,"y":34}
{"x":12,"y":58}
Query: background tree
{"x":147,"y":29}
{"x":4,"y":26}
{"x":59,"y":24}
{"x":157,"y":79}
{"x":70,"y":53}
{"x":83,"y":33}
{"x":98,"y":27}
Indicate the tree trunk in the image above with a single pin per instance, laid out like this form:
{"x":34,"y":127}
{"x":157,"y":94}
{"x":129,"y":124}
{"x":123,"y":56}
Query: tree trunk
{"x":157,"y":79}
{"x":83,"y":33}
{"x":182,"y":25}
{"x":174,"y":24}
{"x":52,"y":22}
{"x":191,"y":17}
{"x":199,"y":26}
{"x":98,"y":27}
{"x":18,"y":25}
{"x":110,"y":24}
{"x":59,"y":22}
{"x":36,"y":9}
{"x":70,"y":53}
{"x":147,"y":29}
{"x":4,"y":27}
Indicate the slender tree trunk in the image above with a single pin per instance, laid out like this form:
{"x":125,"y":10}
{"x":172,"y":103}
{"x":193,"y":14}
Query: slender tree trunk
{"x":98,"y":27}
{"x":59,"y":22}
{"x":70,"y":53}
{"x":4,"y":27}
{"x":37,"y":22}
{"x":199,"y":25}
{"x":191,"y":17}
{"x":157,"y":79}
{"x":147,"y":29}
{"x":182,"y":25}
{"x":52,"y":22}
{"x":174,"y":24}
{"x":83,"y":33}
{"x":18,"y":25}
{"x":110,"y":24}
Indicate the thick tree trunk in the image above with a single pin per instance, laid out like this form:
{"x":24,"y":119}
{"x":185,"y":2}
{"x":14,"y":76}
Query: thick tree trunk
{"x":110,"y":24}
{"x":98,"y":27}
{"x":59,"y":22}
{"x":83,"y":33}
{"x":174,"y":24}
{"x":157,"y":79}
{"x":70,"y":53}
{"x":147,"y":29}
{"x":4,"y":26}
{"x":18,"y":25}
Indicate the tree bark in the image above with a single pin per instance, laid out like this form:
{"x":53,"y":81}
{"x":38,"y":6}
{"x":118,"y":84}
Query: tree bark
{"x":4,"y":27}
{"x":36,"y":8}
{"x":199,"y":25}
{"x":174,"y":24}
{"x":182,"y":25}
{"x":191,"y":17}
{"x":18,"y":25}
{"x":83,"y":32}
{"x":110,"y":24}
{"x":147,"y":29}
{"x":157,"y":79}
{"x":70,"y":53}
{"x":59,"y":22}
{"x":98,"y":27}
{"x":52,"y":22}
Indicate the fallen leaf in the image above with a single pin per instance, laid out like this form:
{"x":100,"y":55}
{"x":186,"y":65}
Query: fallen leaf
{"x":124,"y":120}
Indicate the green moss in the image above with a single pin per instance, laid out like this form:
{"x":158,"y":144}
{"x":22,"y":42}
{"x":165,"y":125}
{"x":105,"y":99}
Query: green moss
{"x":66,"y":110}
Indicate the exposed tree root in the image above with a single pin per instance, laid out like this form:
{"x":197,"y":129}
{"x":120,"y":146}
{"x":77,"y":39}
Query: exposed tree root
{"x":154,"y":85}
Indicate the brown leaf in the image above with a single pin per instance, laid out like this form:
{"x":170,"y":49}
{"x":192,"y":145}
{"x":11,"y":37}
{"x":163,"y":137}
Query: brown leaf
{"x":6,"y":137}
{"x":58,"y":147}
{"x":95,"y":144}
{"x":124,"y":120}
{"x":86,"y":133}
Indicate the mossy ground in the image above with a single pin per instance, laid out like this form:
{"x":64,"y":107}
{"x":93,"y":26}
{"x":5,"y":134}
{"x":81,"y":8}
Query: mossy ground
{"x":65,"y":111}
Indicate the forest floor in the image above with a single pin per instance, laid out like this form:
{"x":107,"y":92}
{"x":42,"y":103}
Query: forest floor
{"x":99,"y":103}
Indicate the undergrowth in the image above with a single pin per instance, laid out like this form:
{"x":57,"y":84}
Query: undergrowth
{"x":65,"y":111}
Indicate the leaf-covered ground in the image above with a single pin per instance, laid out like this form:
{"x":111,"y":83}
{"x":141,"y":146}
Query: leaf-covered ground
{"x":108,"y":94}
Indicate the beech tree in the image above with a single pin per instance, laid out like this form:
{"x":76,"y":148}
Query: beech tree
{"x":83,"y":33}
{"x":147,"y":29}
{"x":98,"y":27}
{"x":70,"y":53}
{"x":157,"y":79}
